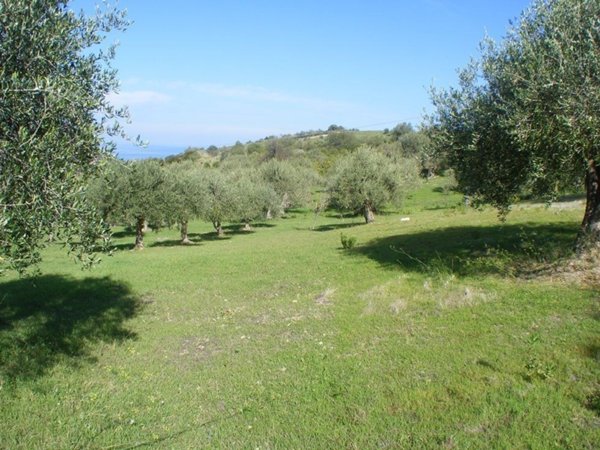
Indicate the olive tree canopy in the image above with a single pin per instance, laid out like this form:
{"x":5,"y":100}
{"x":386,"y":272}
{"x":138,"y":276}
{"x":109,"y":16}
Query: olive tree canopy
{"x":526,"y":116}
{"x":54,"y":82}
{"x":366,"y":181}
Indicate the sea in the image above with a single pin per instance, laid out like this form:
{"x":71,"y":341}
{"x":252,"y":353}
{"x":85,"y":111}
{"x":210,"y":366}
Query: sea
{"x":130,"y":151}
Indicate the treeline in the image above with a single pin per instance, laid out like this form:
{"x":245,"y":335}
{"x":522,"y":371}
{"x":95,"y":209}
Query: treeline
{"x":320,"y":149}
{"x":356,"y":172}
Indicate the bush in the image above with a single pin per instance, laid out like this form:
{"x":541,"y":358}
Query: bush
{"x":348,"y":242}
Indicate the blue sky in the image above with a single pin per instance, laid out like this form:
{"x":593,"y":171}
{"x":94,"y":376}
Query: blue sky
{"x":197,"y":73}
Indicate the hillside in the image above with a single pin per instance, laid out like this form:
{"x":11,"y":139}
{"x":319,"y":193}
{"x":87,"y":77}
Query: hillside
{"x":442,"y":328}
{"x":318,"y":149}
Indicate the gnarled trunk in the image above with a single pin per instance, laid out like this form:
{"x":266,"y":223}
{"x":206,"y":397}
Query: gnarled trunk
{"x":590,"y":226}
{"x":184,"y":233}
{"x":218,"y":228}
{"x":368,"y":212}
{"x":285,"y":202}
{"x":139,"y":233}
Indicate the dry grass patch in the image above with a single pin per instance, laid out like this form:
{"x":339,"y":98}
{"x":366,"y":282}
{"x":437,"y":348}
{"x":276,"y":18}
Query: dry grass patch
{"x":445,"y":292}
{"x":324,"y":298}
{"x":582,"y":269}
{"x":461,"y":296}
{"x":388,"y":297}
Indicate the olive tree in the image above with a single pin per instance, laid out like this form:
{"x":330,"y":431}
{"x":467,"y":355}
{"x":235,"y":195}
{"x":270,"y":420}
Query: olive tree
{"x":291,"y":182}
{"x":141,"y":194}
{"x":184,"y":195}
{"x":254,"y":197}
{"x":366,"y":181}
{"x":526,"y":115}
{"x":220,"y":203}
{"x":54,"y":114}
{"x":101,"y":190}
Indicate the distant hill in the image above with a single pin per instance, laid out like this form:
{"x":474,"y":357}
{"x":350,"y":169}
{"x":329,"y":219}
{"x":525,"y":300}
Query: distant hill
{"x":318,"y":149}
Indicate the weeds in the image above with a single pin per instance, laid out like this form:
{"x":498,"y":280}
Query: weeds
{"x":348,"y":242}
{"x":539,"y":370}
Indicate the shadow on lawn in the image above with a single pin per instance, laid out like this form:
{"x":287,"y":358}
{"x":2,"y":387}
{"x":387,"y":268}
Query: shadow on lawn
{"x":123,"y":246}
{"x":337,"y":226}
{"x":127,"y":232}
{"x":473,"y":250}
{"x":197,"y":238}
{"x":52,"y":319}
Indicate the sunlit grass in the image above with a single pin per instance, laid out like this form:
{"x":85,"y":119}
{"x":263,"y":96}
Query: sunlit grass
{"x":432,"y":332}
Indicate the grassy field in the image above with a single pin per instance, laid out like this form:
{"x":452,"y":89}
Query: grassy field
{"x":442,"y":331}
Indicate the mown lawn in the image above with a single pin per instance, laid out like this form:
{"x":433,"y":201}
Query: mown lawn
{"x":442,"y":331}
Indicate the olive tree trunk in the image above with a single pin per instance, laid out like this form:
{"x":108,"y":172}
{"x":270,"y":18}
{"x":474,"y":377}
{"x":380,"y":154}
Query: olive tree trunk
{"x":285,"y":202}
{"x":368,"y":212}
{"x":218,"y":228}
{"x":184,"y":233}
{"x":590,"y":226}
{"x":139,"y":233}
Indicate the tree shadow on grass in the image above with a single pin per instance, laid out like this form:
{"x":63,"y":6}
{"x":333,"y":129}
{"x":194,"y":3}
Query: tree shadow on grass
{"x":197,"y":238}
{"x":474,"y":250}
{"x":121,"y":247}
{"x":175,"y":243}
{"x":52,"y":319}
{"x":262,"y":225}
{"x":238,"y":228}
{"x":127,"y":232}
{"x":337,"y":226}
{"x":230,"y":232}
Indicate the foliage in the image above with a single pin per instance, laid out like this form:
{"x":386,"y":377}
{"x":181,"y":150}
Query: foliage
{"x":185,"y":192}
{"x":348,"y":242}
{"x":141,"y":192}
{"x":280,"y":149}
{"x":367,"y":181}
{"x":342,"y":140}
{"x":183,"y":195}
{"x":417,"y":145}
{"x":101,"y":190}
{"x":401,"y":129}
{"x":255,"y":198}
{"x":221,"y":202}
{"x":54,"y":111}
{"x":470,"y":129}
{"x":526,"y":115}
{"x":316,"y":149}
{"x":199,"y":156}
{"x":291,"y":182}
{"x":142,"y":197}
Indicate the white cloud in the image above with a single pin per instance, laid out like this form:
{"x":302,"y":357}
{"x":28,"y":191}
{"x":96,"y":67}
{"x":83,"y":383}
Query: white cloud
{"x":244,"y":92}
{"x":135,"y":98}
{"x":257,"y":94}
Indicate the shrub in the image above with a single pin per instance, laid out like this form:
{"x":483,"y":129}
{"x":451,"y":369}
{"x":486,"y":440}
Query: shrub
{"x":348,"y":242}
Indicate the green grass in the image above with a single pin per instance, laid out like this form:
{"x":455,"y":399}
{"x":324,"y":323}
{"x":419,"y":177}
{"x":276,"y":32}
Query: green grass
{"x":437,"y":332}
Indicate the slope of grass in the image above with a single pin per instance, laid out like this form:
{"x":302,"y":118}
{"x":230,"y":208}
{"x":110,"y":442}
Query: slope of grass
{"x":433,"y":332}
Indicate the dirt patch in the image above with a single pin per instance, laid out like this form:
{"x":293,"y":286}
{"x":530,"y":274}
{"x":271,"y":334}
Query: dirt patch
{"x":397,"y":306}
{"x":582,"y":269}
{"x":324,"y":298}
{"x":570,"y":204}
{"x":198,"y":350}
